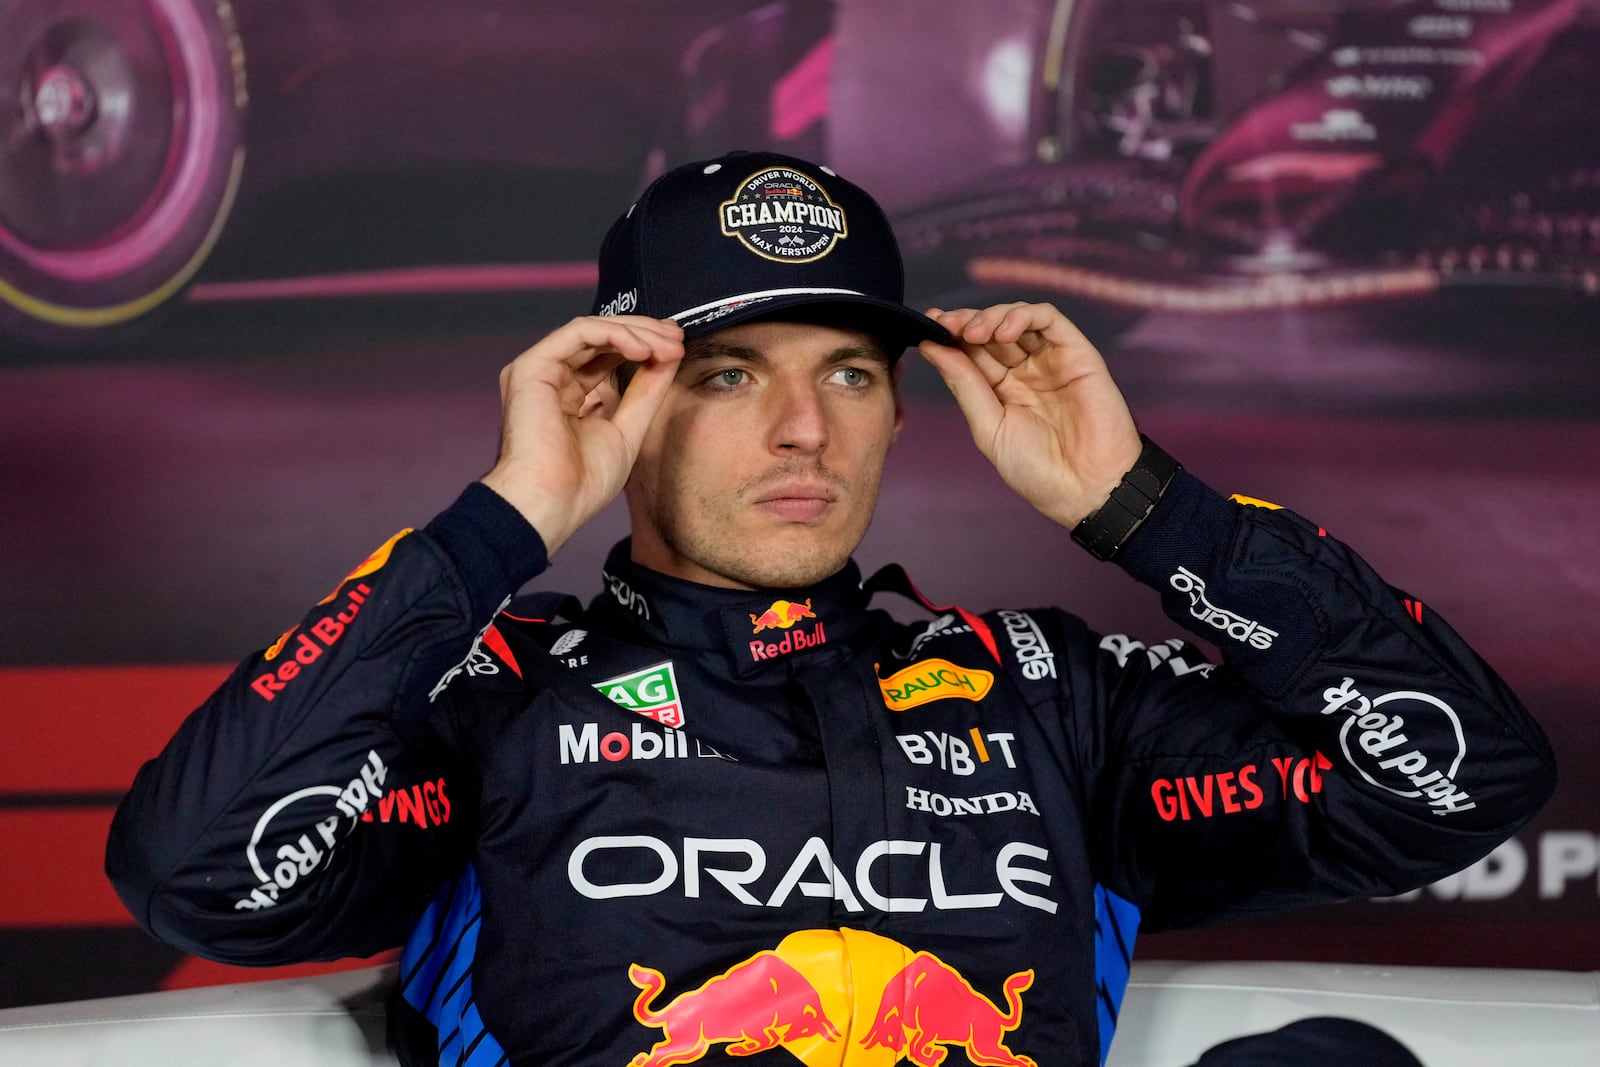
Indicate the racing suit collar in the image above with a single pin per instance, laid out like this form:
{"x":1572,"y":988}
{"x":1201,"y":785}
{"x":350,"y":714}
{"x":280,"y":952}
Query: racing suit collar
{"x":755,"y":630}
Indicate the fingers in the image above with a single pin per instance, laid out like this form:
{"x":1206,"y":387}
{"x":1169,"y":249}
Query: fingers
{"x":972,"y":388}
{"x":631,"y":337}
{"x":591,"y":346}
{"x":642,"y":399}
{"x":1010,"y":332}
{"x":1015,"y":353}
{"x":575,"y":358}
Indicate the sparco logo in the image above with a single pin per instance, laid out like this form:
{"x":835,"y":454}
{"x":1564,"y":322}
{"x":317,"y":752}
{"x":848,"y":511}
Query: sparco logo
{"x":784,"y":215}
{"x":1237,"y":627}
{"x":477,"y":663}
{"x":1028,"y":642}
{"x":620,"y":304}
{"x":1376,"y":741}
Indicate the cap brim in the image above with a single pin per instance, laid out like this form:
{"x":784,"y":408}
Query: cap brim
{"x":897,"y":324}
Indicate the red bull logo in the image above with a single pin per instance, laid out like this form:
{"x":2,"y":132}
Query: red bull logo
{"x":754,"y":1006}
{"x":782,"y":615}
{"x":371,"y":565}
{"x":840,"y":998}
{"x":930,"y":1003}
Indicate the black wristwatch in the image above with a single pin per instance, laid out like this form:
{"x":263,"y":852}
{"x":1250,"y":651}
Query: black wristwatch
{"x":1106,"y":529}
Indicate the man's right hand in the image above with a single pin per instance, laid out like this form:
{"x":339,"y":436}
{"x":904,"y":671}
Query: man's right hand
{"x":567,"y":441}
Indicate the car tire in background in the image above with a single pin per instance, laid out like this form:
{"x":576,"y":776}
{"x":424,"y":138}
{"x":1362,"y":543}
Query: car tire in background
{"x":121,"y":149}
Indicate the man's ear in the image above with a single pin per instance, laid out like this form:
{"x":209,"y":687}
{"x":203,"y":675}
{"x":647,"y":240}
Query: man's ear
{"x":603,"y":398}
{"x":897,"y":372}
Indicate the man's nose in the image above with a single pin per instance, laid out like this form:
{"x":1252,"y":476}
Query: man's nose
{"x":800,"y":423}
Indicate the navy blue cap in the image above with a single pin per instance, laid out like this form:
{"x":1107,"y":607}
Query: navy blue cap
{"x":751,"y":235}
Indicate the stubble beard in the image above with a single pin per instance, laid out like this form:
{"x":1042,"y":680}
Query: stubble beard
{"x":701,"y":529}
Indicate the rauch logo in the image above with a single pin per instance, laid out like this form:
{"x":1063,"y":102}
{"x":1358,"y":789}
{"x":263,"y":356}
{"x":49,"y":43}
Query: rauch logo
{"x":933,"y":679}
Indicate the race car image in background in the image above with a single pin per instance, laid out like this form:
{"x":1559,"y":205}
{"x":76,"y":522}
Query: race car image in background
{"x":1119,"y":156}
{"x":149,"y":144}
{"x":1212,"y":156}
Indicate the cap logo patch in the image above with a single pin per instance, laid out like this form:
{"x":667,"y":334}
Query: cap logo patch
{"x":783,"y":215}
{"x":621,"y":304}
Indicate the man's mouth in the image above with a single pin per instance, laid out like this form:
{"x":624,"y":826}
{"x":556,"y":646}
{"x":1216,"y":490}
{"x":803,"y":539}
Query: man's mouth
{"x":795,"y":501}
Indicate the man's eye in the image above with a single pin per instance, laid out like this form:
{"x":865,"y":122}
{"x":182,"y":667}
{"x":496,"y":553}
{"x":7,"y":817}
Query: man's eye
{"x":854,"y":377}
{"x":730,"y":378}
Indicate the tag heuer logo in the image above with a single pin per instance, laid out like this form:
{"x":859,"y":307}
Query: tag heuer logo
{"x":652,"y":692}
{"x":783,"y":215}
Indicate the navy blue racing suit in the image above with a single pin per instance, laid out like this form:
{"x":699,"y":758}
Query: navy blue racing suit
{"x":687,"y":824}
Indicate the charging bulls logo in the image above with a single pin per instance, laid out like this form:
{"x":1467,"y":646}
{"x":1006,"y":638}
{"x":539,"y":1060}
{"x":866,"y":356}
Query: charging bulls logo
{"x":805,"y":995}
{"x":929,"y":1003}
{"x":781,"y":214}
{"x":753,"y":1006}
{"x":782,"y":615}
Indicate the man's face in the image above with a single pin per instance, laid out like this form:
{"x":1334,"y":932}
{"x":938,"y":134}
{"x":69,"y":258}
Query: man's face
{"x":762,"y":467}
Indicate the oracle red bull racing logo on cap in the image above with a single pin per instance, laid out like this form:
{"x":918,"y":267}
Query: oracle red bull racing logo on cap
{"x":804,"y":996}
{"x":783,"y":615}
{"x":780,"y":213}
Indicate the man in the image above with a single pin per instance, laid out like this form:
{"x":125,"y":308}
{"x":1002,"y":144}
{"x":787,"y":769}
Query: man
{"x":727,"y":810}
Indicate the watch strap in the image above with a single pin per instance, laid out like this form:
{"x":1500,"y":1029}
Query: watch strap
{"x":1106,"y":529}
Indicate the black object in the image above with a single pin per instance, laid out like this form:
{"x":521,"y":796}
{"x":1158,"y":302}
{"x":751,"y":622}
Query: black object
{"x":1107,"y":528}
{"x":750,"y":234}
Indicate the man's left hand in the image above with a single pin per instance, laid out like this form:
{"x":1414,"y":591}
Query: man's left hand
{"x":1040,"y":402}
